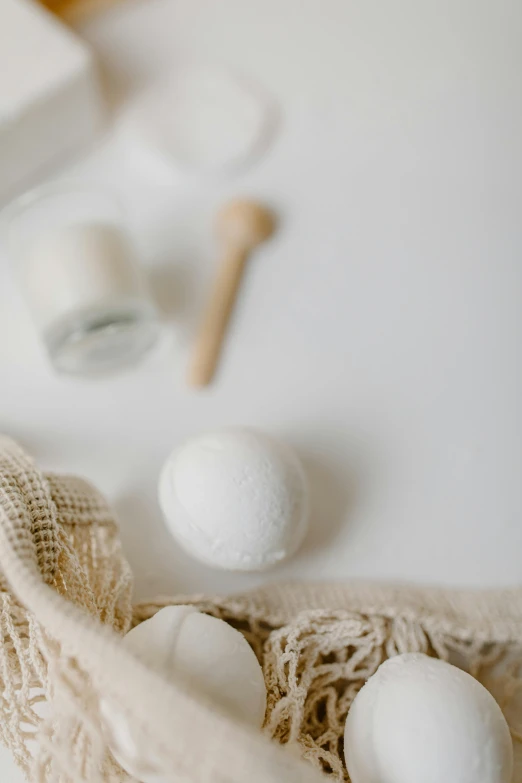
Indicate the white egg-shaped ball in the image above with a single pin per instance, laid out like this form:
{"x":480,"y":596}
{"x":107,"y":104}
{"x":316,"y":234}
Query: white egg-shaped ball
{"x":208,"y":657}
{"x":236,"y":499}
{"x":422,"y":719}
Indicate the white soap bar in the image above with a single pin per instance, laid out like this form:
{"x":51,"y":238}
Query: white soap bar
{"x":50,"y":103}
{"x":419,"y":719}
{"x":209,"y":657}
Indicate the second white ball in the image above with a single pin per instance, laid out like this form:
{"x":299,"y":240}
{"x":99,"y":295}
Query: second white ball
{"x":419,"y":719}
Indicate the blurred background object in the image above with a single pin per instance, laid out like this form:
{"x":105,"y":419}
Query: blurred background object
{"x":75,"y":259}
{"x":77,"y":9}
{"x":203,"y":118}
{"x":50,"y":96}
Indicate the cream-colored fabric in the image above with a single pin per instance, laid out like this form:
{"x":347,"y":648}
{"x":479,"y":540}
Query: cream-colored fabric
{"x":65,"y":593}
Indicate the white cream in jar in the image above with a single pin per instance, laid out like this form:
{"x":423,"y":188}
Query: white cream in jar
{"x":78,"y":269}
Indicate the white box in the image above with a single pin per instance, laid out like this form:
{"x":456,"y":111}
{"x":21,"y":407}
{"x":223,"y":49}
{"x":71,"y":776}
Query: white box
{"x":50,"y":101}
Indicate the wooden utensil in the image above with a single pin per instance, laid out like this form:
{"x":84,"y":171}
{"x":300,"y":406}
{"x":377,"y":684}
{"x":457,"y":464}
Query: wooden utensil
{"x":241,"y":226}
{"x":72,"y":11}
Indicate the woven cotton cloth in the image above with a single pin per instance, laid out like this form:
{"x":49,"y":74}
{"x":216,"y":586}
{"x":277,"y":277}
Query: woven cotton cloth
{"x":65,"y":601}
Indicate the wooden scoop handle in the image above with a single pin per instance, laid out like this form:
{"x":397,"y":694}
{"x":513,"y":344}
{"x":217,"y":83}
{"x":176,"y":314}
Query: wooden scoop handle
{"x":217,"y":315}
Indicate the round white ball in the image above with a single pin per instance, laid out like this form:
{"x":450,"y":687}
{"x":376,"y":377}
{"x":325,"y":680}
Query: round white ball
{"x":235,"y":499}
{"x":421,"y":719}
{"x":206,"y":655}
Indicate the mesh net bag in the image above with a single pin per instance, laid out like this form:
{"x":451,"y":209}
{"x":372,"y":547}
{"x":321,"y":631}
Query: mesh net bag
{"x":65,"y":592}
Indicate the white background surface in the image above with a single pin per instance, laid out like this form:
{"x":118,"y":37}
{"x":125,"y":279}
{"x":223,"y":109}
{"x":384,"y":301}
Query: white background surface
{"x":380,"y":332}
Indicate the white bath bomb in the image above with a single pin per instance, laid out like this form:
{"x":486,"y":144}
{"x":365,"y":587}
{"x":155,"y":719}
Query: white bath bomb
{"x":208,"y":657}
{"x":236,"y":499}
{"x":421,"y":719}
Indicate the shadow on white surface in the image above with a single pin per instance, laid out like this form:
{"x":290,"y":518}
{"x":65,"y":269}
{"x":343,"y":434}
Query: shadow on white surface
{"x":172,"y":285}
{"x":160,"y":565}
{"x":334,"y":494}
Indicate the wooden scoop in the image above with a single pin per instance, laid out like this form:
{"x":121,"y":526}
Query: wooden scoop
{"x":241,"y":226}
{"x":73,"y":11}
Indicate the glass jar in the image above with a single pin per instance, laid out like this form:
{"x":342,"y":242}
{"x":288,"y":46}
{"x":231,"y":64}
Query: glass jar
{"x":77,"y":266}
